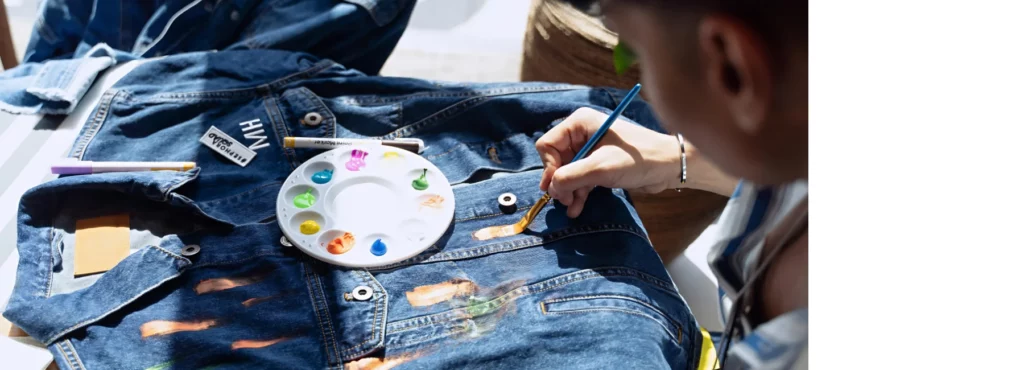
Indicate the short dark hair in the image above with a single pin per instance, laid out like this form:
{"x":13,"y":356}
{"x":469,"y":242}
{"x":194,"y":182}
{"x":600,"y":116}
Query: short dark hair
{"x":778,"y":22}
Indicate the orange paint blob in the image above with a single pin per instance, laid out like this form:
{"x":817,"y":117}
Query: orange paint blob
{"x":435,"y":202}
{"x":341,"y":244}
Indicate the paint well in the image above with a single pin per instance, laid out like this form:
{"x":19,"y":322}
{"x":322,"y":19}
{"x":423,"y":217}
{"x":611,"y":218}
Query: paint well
{"x":432,"y":202}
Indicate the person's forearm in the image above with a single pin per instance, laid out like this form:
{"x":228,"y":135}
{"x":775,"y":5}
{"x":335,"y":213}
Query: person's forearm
{"x":701,"y":174}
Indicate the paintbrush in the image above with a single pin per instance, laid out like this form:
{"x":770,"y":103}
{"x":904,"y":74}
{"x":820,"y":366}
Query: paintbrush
{"x":518,"y":227}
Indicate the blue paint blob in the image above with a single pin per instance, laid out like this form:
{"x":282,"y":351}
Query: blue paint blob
{"x":323,"y":177}
{"x":378,"y":248}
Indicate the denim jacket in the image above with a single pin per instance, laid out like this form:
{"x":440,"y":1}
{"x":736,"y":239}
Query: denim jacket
{"x":580,"y":293}
{"x":74,"y":40}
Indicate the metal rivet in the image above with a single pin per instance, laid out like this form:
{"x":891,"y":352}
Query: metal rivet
{"x":190,"y":250}
{"x":235,"y":16}
{"x":507,"y":203}
{"x":312,"y":119}
{"x":285,"y":242}
{"x":362,"y":293}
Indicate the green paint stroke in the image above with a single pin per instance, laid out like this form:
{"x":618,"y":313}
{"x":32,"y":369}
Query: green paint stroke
{"x":161,"y":366}
{"x":421,"y":183}
{"x":479,"y":306}
{"x":624,"y":58}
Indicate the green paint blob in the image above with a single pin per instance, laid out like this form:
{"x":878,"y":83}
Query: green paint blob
{"x":421,"y":183}
{"x":305,"y":200}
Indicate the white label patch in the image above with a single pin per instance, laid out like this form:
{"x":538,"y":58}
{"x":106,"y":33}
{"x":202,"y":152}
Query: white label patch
{"x":253,"y":130}
{"x":227,"y":146}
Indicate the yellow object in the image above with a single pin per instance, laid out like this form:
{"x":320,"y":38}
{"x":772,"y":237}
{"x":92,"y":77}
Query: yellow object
{"x":390,"y":155}
{"x":289,"y":142}
{"x":708,"y":356}
{"x":309,"y":227}
{"x":100,"y":243}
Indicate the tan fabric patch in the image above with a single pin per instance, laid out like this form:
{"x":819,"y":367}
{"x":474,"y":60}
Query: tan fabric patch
{"x":100,"y":243}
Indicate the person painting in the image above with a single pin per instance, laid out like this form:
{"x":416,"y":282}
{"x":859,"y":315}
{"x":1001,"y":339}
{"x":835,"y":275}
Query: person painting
{"x":729,"y":76}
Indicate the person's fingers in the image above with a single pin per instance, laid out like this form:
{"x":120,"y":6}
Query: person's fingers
{"x":566,"y":138}
{"x":559,"y":145}
{"x":576,"y":208}
{"x":588,"y":172}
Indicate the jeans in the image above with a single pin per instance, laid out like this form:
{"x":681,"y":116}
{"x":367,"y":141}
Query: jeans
{"x":74,"y":40}
{"x":574,"y":293}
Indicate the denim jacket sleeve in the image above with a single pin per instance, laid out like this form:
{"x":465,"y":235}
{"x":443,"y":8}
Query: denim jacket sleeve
{"x":73,"y":41}
{"x":55,"y":86}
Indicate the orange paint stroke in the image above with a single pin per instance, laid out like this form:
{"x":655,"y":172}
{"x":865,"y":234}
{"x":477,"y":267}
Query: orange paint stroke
{"x":219,"y":284}
{"x":427,"y":295}
{"x":249,"y":343}
{"x":373,"y":363}
{"x":254,"y":301}
{"x":494,"y":232}
{"x":163,"y":327}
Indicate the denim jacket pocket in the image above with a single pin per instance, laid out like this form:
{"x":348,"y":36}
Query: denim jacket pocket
{"x":49,"y":299}
{"x":611,"y":303}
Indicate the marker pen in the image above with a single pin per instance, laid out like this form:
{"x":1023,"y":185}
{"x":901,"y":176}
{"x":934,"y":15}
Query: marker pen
{"x":87,"y":167}
{"x":412,"y":145}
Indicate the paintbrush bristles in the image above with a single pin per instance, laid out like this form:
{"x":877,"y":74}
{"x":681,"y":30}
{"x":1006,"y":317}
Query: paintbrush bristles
{"x":532,"y":213}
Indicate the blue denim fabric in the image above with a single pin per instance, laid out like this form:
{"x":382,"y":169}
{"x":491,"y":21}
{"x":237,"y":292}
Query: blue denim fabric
{"x":584,"y":293}
{"x":73,"y":41}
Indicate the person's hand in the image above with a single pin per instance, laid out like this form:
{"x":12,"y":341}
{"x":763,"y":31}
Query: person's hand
{"x":629,"y":156}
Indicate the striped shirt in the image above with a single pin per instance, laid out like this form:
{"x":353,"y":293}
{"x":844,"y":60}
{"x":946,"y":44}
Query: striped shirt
{"x":753,"y":211}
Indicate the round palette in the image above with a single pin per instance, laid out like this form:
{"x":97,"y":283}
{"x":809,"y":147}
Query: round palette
{"x":364,"y":206}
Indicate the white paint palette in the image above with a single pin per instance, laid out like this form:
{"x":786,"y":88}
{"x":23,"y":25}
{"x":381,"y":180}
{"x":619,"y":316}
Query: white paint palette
{"x":365,"y":206}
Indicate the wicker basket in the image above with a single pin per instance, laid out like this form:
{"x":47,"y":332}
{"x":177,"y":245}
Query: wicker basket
{"x":565,"y":45}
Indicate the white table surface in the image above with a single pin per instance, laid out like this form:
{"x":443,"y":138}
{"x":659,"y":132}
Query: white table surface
{"x":28,"y":146}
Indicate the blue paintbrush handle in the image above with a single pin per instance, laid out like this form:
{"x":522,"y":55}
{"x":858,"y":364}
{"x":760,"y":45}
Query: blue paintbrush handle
{"x":607,"y":124}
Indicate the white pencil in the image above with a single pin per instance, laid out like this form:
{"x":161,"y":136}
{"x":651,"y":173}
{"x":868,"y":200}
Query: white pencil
{"x":72,"y":167}
{"x":412,"y":145}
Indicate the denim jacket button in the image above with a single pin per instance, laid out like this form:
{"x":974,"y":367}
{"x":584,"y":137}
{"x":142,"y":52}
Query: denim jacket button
{"x":312,"y":119}
{"x":362,"y":293}
{"x":190,"y":250}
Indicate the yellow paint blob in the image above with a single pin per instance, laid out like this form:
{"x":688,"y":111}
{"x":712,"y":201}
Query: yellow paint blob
{"x":309,"y":227}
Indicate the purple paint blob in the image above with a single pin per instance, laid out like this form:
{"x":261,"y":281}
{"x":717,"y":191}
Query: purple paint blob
{"x":357,"y":161}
